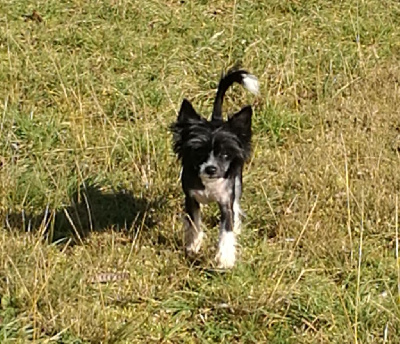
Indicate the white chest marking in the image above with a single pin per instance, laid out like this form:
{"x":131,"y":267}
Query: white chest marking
{"x":215,"y":190}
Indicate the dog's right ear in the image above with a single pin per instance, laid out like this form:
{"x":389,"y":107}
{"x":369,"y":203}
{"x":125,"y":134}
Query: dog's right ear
{"x":240,"y":122}
{"x":187,"y":113}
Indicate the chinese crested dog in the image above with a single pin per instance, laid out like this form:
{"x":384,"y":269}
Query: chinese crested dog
{"x":213,"y":154}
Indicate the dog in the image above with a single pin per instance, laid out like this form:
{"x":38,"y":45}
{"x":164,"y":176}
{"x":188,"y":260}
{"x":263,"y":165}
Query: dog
{"x":213,"y":154}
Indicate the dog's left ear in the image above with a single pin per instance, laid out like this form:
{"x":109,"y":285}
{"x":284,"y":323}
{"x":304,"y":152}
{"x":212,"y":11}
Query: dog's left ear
{"x":187,"y":113}
{"x":240,"y":122}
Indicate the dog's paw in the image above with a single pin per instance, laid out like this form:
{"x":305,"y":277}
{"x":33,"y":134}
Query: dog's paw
{"x":193,"y":242}
{"x":226,"y":255}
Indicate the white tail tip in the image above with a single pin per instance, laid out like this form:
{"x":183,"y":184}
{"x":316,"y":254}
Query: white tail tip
{"x":251,"y":83}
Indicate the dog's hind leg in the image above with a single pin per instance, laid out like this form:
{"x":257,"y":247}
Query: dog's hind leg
{"x":237,"y":220}
{"x":192,"y":227}
{"x":237,"y":211}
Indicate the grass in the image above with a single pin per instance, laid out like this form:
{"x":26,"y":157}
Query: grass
{"x":89,"y":184}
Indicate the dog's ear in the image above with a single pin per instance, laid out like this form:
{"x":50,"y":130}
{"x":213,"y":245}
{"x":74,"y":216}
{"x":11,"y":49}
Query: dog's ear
{"x":187,"y":113}
{"x":240,"y":122}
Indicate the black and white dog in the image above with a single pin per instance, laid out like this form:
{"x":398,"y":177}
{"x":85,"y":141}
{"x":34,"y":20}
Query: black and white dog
{"x":213,"y":154}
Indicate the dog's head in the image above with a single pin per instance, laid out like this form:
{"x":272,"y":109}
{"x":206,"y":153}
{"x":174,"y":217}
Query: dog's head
{"x":212,"y":148}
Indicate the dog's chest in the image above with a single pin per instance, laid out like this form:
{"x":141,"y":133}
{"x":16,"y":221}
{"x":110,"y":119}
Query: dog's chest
{"x":214,"y":191}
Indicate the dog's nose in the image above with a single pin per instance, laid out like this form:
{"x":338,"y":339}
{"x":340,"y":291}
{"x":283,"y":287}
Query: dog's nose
{"x":210,"y":170}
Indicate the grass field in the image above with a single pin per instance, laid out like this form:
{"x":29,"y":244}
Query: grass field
{"x":89,"y":185}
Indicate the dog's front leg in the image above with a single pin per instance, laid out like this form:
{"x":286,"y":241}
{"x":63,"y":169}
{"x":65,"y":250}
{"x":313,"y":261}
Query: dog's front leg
{"x":192,"y":223}
{"x":226,"y":254}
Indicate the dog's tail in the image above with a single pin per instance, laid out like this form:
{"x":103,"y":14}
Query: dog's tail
{"x":243,"y":77}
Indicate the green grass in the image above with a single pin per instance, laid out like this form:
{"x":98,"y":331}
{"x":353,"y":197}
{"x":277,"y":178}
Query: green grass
{"x":89,"y":184}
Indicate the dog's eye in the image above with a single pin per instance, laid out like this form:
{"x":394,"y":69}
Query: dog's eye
{"x":225,"y":156}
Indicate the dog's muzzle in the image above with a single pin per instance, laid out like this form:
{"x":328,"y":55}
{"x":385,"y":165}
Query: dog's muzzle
{"x":210,"y":170}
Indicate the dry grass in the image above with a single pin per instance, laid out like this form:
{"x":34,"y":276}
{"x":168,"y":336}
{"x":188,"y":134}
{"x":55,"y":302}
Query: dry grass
{"x":89,"y":185}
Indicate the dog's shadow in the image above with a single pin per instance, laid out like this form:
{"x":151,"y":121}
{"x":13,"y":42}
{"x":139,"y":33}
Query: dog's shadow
{"x":92,"y":209}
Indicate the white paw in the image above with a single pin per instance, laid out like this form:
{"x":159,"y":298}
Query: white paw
{"x":193,"y":241}
{"x":226,"y":255}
